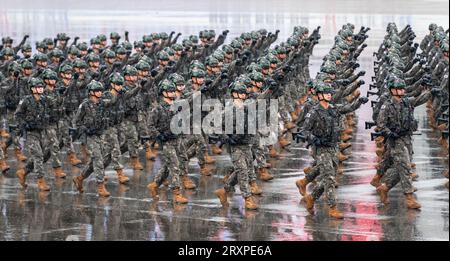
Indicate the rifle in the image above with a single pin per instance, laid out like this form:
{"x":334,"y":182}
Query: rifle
{"x":444,"y":134}
{"x":373,"y":103}
{"x":370,"y":124}
{"x":372,"y":93}
{"x":374,"y":135}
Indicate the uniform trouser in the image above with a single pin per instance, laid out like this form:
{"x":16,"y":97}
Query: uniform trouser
{"x":142,"y":125}
{"x":283,"y":112}
{"x":53,"y":144}
{"x":310,"y":177}
{"x":170,"y":168}
{"x":94,"y":147}
{"x":34,"y":146}
{"x":327,"y":163}
{"x":196,"y":146}
{"x":241,"y":157}
{"x":12,"y":121}
{"x":63,"y":133}
{"x":259,"y":155}
{"x":400,"y":167}
{"x":111,"y":145}
{"x":386,"y":160}
{"x":183,"y":155}
{"x":131,"y":135}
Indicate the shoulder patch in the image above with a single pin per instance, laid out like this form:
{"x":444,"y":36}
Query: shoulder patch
{"x":20,"y":102}
{"x":308,"y":115}
{"x":383,"y":106}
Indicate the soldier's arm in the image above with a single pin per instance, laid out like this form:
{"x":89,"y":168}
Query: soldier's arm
{"x":382,"y":119}
{"x":19,"y":114}
{"x":152,"y":122}
{"x":79,"y":115}
{"x":344,"y":109}
{"x":423,"y":98}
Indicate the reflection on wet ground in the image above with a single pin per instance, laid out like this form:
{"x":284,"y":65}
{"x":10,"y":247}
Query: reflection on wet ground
{"x":130,"y":214}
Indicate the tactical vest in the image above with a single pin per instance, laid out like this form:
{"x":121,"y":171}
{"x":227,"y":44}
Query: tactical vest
{"x":326,"y":125}
{"x":133,"y":106}
{"x":94,"y":120}
{"x":116,"y":112}
{"x":404,"y":123}
{"x":36,"y":113}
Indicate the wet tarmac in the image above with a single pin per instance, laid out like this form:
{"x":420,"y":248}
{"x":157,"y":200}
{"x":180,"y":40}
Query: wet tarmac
{"x":131,"y":214}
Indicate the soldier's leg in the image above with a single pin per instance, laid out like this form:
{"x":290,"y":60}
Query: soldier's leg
{"x":94,"y":146}
{"x":400,"y":156}
{"x":241,"y":158}
{"x":53,"y":145}
{"x":36,"y":155}
{"x":133,"y":144}
{"x":111,"y":145}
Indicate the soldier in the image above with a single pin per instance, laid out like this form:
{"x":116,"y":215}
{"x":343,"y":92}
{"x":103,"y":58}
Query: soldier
{"x":397,"y":123}
{"x":322,"y":130}
{"x":90,"y":119}
{"x":32,"y":117}
{"x":159,"y":128}
{"x":241,"y":154}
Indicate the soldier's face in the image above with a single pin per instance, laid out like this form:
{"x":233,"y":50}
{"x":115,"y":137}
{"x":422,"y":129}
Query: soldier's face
{"x":121,"y":56}
{"x":50,"y":82}
{"x":273,"y":65}
{"x":27,"y":72}
{"x":333,"y":76}
{"x":181,"y":87}
{"x":42,"y":63}
{"x":325,"y":96}
{"x":142,"y":73}
{"x":198,"y":80}
{"x":131,"y":78}
{"x":281,"y":56}
{"x":80,"y":70}
{"x":117,"y":87}
{"x":446,"y":55}
{"x":62,"y":42}
{"x":229,"y":56}
{"x":27,"y":53}
{"x":50,"y":47}
{"x":94,"y":64}
{"x":114,"y":40}
{"x":265,"y":71}
{"x":83,"y":53}
{"x":398,"y":92}
{"x":110,"y":60}
{"x":66,"y":75}
{"x":38,"y":90}
{"x":163,"y":62}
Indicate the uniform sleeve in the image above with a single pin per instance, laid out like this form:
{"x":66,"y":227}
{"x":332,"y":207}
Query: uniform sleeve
{"x":423,"y":98}
{"x":383,"y":118}
{"x":152,"y":121}
{"x":19,"y":114}
{"x":78,"y":119}
{"x":344,"y":109}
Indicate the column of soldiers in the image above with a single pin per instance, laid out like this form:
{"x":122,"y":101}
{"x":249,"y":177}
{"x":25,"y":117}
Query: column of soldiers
{"x":326,"y":120}
{"x":404,"y":80}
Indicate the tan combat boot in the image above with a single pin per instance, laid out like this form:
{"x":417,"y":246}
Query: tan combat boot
{"x":85,"y":152}
{"x":121,"y":177}
{"x":290,"y":125}
{"x":383,"y":192}
{"x":153,"y":187}
{"x":348,"y":131}
{"x":135,"y":164}
{"x":78,"y":182}
{"x":345,"y":137}
{"x":73,"y":160}
{"x":4,"y":134}
{"x":42,"y":185}
{"x":273,"y":152}
{"x":222,"y":195}
{"x":342,"y":157}
{"x":442,"y":127}
{"x":335,"y":213}
{"x":216,"y":149}
{"x":309,"y":200}
{"x":411,"y":202}
{"x":308,"y":170}
{"x":187,"y":183}
{"x":59,"y":173}
{"x":301,"y":185}
{"x":178,"y":197}
{"x":250,"y":203}
{"x":22,"y":175}
{"x":264,"y":174}
{"x":283,"y":142}
{"x":150,"y":154}
{"x":209,"y":159}
{"x":101,"y":190}
{"x":414,"y":176}
{"x":4,"y":148}
{"x":19,"y":155}
{"x":254,"y":188}
{"x":294,"y":116}
{"x":205,"y":170}
{"x":379,"y":139}
{"x":376,"y":181}
{"x":413,"y":165}
{"x":3,"y":166}
{"x":343,"y":145}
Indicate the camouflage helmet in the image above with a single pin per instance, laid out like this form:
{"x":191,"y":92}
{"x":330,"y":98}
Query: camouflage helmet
{"x":292,"y":42}
{"x":49,"y":74}
{"x":193,"y":38}
{"x":130,"y":70}
{"x":169,"y":51}
{"x":7,"y":52}
{"x":121,"y":51}
{"x":35,"y":82}
{"x":323,"y":87}
{"x":198,"y":73}
{"x":48,"y":41}
{"x":138,"y":44}
{"x":272,"y":59}
{"x":56,"y":53}
{"x":187,"y":43}
{"x":116,"y":78}
{"x":95,"y":40}
{"x":14,"y":67}
{"x":253,"y":67}
{"x":7,"y":39}
{"x":246,"y":36}
{"x":128,"y":46}
{"x":211,"y":61}
{"x":176,"y":78}
{"x":114,"y":35}
{"x":163,"y":56}
{"x":108,"y":54}
{"x":177,"y":47}
{"x":94,"y":86}
{"x":444,"y":47}
{"x":236,"y":44}
{"x":264,"y":63}
{"x":346,"y":33}
{"x":219,"y":55}
{"x":238,"y":87}
{"x":147,"y":38}
{"x":263,"y":32}
{"x":40,"y":57}
{"x":41,"y":45}
{"x":164,"y":36}
{"x":26,"y":64}
{"x":432,"y":27}
{"x":280,"y":50}
{"x":227,"y":49}
{"x":196,"y":64}
{"x":142,"y":66}
{"x":257,"y":76}
{"x":255,"y":35}
{"x":146,"y":59}
{"x":82,"y":46}
{"x":396,"y":83}
{"x":156,"y":36}
{"x":73,"y":50}
{"x":311,"y":84}
{"x":102,"y":37}
{"x":211,"y":34}
{"x":62,"y":37}
{"x":245,"y":79}
{"x":167,"y":86}
{"x":26,"y":48}
{"x":92,"y":57}
{"x":66,"y":68}
{"x":79,"y":63}
{"x":329,"y":68}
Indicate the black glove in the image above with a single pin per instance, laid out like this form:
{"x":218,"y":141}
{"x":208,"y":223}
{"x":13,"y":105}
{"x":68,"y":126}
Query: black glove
{"x":225,"y":32}
{"x":363,"y":99}
{"x":223,"y":76}
{"x":277,"y":31}
{"x":208,"y":82}
{"x":239,"y":62}
{"x":273,"y":85}
{"x":168,"y":68}
{"x":154,"y":72}
{"x":422,"y":61}
{"x":362,"y":73}
{"x":436,"y":91}
{"x":361,"y":82}
{"x":364,"y":45}
{"x":95,"y":75}
{"x":76,"y":76}
{"x":117,"y":64}
{"x":143,"y":82}
{"x":287,"y":68}
{"x":356,"y":65}
{"x":16,"y":74}
{"x":392,"y":135}
{"x":316,"y":141}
